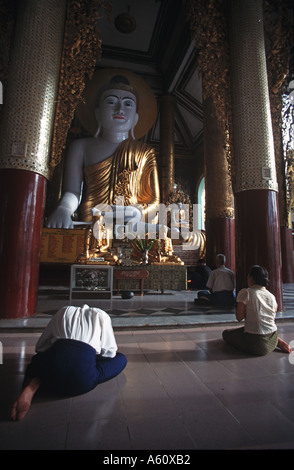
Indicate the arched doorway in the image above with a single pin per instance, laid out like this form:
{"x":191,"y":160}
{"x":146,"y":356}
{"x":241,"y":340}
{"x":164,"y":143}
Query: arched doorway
{"x":201,"y":203}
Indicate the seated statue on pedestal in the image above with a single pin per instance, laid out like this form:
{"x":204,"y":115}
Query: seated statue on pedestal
{"x":111,"y":164}
{"x":112,"y":171}
{"x":97,"y":243}
{"x":166,"y":254}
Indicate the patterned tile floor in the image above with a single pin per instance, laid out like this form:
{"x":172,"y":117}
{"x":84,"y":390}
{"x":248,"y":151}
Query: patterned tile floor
{"x":170,"y":309}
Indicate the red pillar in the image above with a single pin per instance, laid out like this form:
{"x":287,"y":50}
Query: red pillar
{"x":22,"y":195}
{"x":287,"y":255}
{"x":220,"y":238}
{"x":26,"y":130}
{"x":256,"y":187}
{"x":257,"y":237}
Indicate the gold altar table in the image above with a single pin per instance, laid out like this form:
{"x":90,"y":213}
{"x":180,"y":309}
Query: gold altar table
{"x":61,"y":246}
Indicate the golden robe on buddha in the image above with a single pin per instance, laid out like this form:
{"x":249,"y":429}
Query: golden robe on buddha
{"x":131,"y":173}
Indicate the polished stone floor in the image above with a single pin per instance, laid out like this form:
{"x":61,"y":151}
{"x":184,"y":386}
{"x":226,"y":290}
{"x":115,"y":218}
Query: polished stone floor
{"x":183,"y":388}
{"x":170,"y":309}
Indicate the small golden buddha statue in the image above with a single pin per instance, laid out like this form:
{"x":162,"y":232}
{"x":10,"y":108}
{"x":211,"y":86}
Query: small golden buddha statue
{"x":97,"y":243}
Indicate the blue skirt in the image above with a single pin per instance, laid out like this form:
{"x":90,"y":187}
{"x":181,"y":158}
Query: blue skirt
{"x":71,"y":367}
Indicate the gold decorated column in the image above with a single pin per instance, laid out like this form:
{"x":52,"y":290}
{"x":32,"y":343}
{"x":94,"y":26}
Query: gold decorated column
{"x":26,"y":132}
{"x":283,"y":173}
{"x":256,"y":187}
{"x":30,"y":101}
{"x":219,"y":204}
{"x":166,"y":151}
{"x":278,"y":19}
{"x":208,"y":24}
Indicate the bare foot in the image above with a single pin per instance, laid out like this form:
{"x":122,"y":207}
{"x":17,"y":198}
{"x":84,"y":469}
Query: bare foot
{"x":20,"y":407}
{"x":284,"y":346}
{"x":23,"y":403}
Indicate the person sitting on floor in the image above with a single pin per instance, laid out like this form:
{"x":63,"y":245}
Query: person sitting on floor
{"x":76,"y":352}
{"x":200,"y":275}
{"x":258,"y":307}
{"x":221,"y":285}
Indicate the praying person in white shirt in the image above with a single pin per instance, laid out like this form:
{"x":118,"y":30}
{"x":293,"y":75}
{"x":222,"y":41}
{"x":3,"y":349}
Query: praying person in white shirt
{"x":90,"y":325}
{"x":76,"y":352}
{"x":258,"y":307}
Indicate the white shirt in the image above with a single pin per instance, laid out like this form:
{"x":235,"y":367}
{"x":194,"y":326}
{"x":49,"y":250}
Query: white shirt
{"x":90,"y":325}
{"x":261,"y":308}
{"x":221,"y":279}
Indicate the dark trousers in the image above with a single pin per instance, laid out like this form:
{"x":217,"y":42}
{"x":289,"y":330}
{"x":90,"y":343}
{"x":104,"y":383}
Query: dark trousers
{"x":222,"y":298}
{"x":71,"y":367}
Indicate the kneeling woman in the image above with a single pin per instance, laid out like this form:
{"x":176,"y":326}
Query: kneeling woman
{"x":258,"y":307}
{"x":76,"y":352}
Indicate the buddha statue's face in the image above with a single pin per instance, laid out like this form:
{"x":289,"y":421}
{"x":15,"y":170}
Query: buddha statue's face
{"x":117,"y":111}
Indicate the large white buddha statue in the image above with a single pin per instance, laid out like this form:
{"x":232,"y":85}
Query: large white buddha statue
{"x":112,"y":172}
{"x":111,"y":165}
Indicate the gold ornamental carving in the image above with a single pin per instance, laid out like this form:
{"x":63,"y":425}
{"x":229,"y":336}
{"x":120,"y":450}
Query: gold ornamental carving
{"x":81,"y":52}
{"x":278,"y":19}
{"x":156,"y":251}
{"x":208,"y":25}
{"x":177,"y":196}
{"x":122,"y":187}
